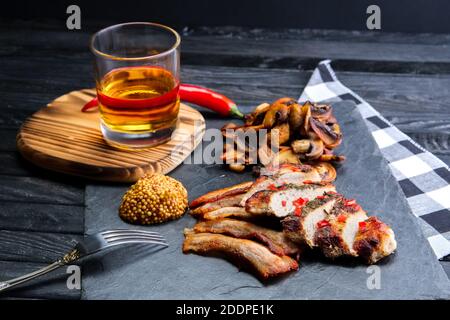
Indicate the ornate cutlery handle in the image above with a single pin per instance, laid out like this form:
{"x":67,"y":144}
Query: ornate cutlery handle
{"x":70,"y":257}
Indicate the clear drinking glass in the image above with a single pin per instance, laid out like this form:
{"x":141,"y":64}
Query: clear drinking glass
{"x":137,"y":70}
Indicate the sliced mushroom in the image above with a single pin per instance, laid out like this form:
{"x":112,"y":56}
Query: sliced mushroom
{"x":277,"y":113}
{"x":306,"y":114}
{"x":331,"y":138}
{"x":316,"y":149}
{"x":237,"y":167}
{"x":301,"y":146}
{"x":257,"y":116}
{"x":282,"y":131}
{"x":285,"y":155}
{"x":304,"y":132}
{"x":286,"y":100}
{"x":326,"y":171}
{"x":263,"y":107}
{"x":331,"y":157}
{"x":321,"y":112}
{"x":295,"y":117}
{"x":243,"y":127}
{"x":336,"y":128}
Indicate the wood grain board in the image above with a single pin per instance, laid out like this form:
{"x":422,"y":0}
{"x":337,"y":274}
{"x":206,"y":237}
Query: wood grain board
{"x":60,"y":137}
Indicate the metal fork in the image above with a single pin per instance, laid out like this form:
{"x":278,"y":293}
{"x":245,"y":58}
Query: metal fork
{"x":91,"y":244}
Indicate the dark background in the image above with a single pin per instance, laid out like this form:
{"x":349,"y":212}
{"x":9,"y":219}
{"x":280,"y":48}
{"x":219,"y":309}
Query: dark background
{"x":396,"y":15}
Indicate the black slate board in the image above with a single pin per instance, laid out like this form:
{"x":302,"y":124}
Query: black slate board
{"x":143,"y":273}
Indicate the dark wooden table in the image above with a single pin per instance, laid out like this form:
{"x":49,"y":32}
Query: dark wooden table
{"x":406,"y":77}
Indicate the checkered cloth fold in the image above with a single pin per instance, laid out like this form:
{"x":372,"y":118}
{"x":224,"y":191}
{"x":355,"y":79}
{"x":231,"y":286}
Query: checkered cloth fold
{"x":424,"y":179}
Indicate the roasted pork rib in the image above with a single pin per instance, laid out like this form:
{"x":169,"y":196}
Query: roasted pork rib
{"x":246,"y":253}
{"x":228,"y":201}
{"x":275,"y":241}
{"x":227,"y":212}
{"x":221,"y":193}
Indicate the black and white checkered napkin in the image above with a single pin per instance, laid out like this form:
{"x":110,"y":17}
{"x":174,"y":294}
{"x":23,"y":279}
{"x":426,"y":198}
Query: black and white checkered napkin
{"x":424,"y":179}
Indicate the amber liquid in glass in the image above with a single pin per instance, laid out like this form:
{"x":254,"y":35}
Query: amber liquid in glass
{"x":139,"y":99}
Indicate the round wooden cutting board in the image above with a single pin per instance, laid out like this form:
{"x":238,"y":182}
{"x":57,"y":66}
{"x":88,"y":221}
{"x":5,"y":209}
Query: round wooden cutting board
{"x":60,"y":137}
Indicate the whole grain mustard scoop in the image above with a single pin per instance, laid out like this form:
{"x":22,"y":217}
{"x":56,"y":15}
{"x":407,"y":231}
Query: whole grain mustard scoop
{"x":155,"y":198}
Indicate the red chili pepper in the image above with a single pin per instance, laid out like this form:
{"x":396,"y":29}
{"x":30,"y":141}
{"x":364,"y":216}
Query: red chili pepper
{"x":283,"y":203}
{"x":209,"y":99}
{"x":362,"y":225}
{"x":300,"y":202}
{"x":342,"y":218}
{"x":91,"y":104}
{"x":282,"y":186}
{"x":323,"y":223}
{"x":272,"y":187}
{"x":307,"y":182}
{"x":320,"y":197}
{"x":198,"y":95}
{"x":352,"y":204}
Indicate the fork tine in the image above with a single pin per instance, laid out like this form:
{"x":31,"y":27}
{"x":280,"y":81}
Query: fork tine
{"x":137,"y":236}
{"x":112,"y":231}
{"x":134,"y":237}
{"x":124,"y":229}
{"x":131,"y":240}
{"x":152,"y":244}
{"x":124,"y":234}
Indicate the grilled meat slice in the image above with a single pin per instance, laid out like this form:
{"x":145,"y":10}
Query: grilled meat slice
{"x":284,"y":200}
{"x":284,"y":168}
{"x":339,"y":227}
{"x":275,"y":241}
{"x":302,"y":228}
{"x":245,"y":253}
{"x":285,"y":174}
{"x":336,"y":233}
{"x":326,"y":171}
{"x":225,"y":212}
{"x":221,"y":193}
{"x":230,"y":201}
{"x":374,"y":240}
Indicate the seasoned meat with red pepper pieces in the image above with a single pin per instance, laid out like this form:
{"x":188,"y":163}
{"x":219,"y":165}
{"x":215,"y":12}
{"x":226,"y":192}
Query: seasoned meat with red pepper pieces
{"x":284,"y":200}
{"x":301,"y":227}
{"x":374,"y":240}
{"x":340,"y":227}
{"x":336,"y":233}
{"x":284,"y":174}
